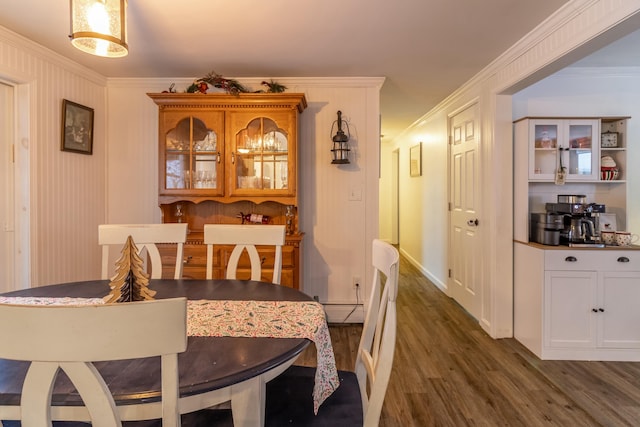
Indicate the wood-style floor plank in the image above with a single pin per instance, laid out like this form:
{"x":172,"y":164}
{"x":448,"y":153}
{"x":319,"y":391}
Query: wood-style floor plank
{"x":448,"y":372}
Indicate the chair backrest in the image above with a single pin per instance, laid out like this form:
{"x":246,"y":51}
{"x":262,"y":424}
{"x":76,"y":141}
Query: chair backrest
{"x":245,"y":237}
{"x":70,"y":338}
{"x":145,"y":236}
{"x":377,"y":343}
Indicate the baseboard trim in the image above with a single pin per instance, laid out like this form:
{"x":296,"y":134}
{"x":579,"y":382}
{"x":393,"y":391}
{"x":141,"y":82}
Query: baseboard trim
{"x":344,"y":313}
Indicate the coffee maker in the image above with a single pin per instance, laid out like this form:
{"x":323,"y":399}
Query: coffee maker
{"x":580,"y":220}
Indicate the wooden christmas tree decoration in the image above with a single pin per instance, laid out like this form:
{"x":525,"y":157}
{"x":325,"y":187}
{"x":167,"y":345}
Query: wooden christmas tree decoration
{"x":130,"y":282}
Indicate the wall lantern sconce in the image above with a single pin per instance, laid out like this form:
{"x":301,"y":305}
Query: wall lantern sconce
{"x":340,"y":148}
{"x":99,"y":27}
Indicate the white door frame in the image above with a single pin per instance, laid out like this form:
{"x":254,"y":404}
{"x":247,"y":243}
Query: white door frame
{"x":22,"y":183}
{"x":395,"y":196}
{"x":7,"y":187}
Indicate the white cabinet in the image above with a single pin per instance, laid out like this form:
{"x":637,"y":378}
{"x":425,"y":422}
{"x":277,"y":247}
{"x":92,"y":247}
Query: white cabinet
{"x":540,"y":143}
{"x":569,"y":297}
{"x":577,"y":304}
{"x":619,"y":295}
{"x":572,"y":144}
{"x":575,"y":144}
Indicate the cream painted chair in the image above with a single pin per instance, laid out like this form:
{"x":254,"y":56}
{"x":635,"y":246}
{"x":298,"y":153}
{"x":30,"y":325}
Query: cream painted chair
{"x":358,"y":400}
{"x":70,"y":338}
{"x":245,"y":237}
{"x":145,"y":236}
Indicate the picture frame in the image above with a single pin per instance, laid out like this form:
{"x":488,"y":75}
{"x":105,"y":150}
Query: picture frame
{"x":415,"y":160}
{"x":77,"y":128}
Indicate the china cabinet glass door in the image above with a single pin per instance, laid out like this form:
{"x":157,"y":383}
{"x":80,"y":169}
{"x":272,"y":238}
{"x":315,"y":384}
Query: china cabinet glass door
{"x":581,"y":149}
{"x":261,"y":158}
{"x":563,"y":143}
{"x":543,"y":158}
{"x":193,"y":155}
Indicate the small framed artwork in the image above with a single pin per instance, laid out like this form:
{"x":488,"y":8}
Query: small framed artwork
{"x":77,"y":128}
{"x":415,"y":160}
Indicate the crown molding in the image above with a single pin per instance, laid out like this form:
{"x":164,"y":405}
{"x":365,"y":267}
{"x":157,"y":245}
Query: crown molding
{"x":42,"y":53}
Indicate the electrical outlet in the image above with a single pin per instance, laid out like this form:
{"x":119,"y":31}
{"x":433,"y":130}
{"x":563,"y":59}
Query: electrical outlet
{"x":356,"y":282}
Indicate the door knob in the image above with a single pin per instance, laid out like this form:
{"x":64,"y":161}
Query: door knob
{"x":472,"y":222}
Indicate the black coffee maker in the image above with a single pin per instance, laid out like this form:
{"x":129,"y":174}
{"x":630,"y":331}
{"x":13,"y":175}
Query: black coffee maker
{"x":580,"y":220}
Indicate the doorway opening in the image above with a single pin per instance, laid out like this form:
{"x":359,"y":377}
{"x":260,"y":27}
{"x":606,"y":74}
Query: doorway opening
{"x":395,"y":197}
{"x":7,"y":209}
{"x":15,"y":206}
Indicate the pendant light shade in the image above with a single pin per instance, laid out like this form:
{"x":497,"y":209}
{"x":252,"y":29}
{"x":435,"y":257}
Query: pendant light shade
{"x":99,"y":27}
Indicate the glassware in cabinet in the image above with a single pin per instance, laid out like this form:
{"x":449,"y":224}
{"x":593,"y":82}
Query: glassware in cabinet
{"x":572,"y":140}
{"x":581,"y":157}
{"x":262,"y":155}
{"x":191,"y":162}
{"x":543,"y":156}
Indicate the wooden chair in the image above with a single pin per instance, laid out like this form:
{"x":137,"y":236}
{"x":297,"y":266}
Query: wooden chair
{"x":70,"y":338}
{"x":245,"y":237}
{"x":145,"y":236}
{"x":358,"y":400}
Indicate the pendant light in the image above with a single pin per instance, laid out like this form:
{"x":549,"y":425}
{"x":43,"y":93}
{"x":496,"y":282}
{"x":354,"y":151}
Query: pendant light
{"x":99,"y":27}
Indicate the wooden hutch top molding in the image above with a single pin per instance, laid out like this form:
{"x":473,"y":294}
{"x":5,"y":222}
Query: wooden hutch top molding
{"x":225,"y":101}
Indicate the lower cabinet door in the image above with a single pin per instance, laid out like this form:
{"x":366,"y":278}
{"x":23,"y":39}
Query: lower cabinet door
{"x":619,"y":312}
{"x":569,"y":300}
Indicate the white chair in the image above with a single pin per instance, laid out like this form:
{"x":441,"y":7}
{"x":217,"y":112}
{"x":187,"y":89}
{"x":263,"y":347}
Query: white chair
{"x":245,"y":237}
{"x":145,"y":236}
{"x":358,"y":400}
{"x":70,"y":338}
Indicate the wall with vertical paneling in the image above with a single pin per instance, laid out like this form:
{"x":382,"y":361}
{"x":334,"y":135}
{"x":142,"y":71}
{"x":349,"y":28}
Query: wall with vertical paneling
{"x":72,"y":193}
{"x":67,"y":197}
{"x":338,"y":203}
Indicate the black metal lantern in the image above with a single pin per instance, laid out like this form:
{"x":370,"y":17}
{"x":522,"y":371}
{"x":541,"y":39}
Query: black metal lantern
{"x":340,"y":148}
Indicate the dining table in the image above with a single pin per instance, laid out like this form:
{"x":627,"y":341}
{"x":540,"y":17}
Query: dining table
{"x":241,"y":334}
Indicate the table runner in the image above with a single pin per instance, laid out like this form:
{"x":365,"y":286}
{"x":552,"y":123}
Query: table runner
{"x":268,"y":319}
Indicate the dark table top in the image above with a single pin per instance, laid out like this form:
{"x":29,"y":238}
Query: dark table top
{"x":209,"y":363}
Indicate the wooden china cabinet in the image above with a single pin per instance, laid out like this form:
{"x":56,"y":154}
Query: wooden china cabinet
{"x":225,"y":156}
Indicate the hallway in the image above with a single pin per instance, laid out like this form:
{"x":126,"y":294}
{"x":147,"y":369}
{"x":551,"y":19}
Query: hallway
{"x":449,"y":372}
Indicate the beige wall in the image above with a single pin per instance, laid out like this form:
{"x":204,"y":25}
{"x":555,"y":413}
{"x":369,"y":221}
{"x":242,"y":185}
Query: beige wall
{"x":338,"y":231}
{"x":68,"y":195}
{"x":62,"y":193}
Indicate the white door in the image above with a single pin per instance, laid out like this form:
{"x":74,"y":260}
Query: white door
{"x":7,"y":200}
{"x":465,"y":275}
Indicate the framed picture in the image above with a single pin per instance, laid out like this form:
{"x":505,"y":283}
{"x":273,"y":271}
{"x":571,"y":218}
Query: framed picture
{"x":415,"y":160}
{"x":77,"y":128}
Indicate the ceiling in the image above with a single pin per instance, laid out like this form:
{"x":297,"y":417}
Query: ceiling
{"x":425,"y":49}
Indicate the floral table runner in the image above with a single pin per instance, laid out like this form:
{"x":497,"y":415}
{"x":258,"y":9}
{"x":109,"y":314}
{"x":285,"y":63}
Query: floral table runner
{"x":222,"y":318}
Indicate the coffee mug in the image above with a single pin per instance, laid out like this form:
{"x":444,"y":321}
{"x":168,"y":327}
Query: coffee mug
{"x":608,"y":237}
{"x":624,"y":238}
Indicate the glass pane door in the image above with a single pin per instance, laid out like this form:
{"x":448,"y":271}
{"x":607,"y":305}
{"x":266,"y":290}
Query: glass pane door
{"x":192,"y":156}
{"x":262,"y":159}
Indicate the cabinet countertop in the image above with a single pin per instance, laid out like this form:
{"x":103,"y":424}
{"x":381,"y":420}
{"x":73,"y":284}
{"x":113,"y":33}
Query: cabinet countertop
{"x":565,"y":248}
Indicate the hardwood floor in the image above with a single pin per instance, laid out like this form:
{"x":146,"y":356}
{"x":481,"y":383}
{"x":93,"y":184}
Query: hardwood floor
{"x":449,"y":372}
